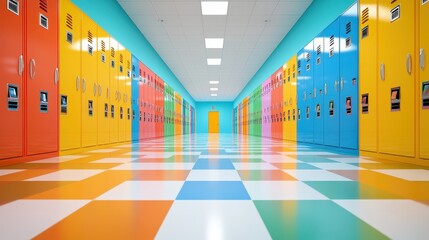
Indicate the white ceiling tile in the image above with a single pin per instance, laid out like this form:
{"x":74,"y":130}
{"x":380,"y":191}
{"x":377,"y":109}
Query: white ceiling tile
{"x":164,"y":8}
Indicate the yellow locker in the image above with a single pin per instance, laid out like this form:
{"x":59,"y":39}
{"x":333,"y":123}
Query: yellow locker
{"x":127,"y":95}
{"x":70,"y":81}
{"x":121,"y":93}
{"x":423,"y":103}
{"x":368,"y":73}
{"x":103,"y":53}
{"x":293,"y":99}
{"x":113,"y":91}
{"x":89,"y":82}
{"x":285,"y":99}
{"x":397,"y":84}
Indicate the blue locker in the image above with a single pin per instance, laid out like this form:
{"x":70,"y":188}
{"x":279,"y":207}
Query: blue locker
{"x":331,"y":113}
{"x":318,"y":80}
{"x":305,"y":94}
{"x":135,"y":99}
{"x":349,"y":78}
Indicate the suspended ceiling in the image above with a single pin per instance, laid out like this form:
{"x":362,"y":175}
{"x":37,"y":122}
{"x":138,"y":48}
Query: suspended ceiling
{"x":251,"y":30}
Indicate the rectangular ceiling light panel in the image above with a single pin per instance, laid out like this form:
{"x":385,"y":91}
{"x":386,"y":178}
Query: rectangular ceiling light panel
{"x":214,"y":8}
{"x":214,"y":61}
{"x":214,"y":42}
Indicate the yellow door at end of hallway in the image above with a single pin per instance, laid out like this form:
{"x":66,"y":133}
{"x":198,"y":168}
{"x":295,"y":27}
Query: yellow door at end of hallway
{"x":213,"y":122}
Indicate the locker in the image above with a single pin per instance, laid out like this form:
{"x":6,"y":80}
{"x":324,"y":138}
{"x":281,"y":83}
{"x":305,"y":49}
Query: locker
{"x":89,"y":105}
{"x":266,"y":108}
{"x":126,"y":98}
{"x":103,"y":99}
{"x":161,"y":107}
{"x":318,"y":80}
{"x":70,"y":86}
{"x":135,"y":99}
{"x":424,"y":81}
{"x":142,"y":100}
{"x":113,"y":91}
{"x":331,"y":106}
{"x":12,"y":75}
{"x":368,"y":73}
{"x":276,"y":95}
{"x":396,"y":85}
{"x":293,"y":99}
{"x":305,"y":96}
{"x":349,"y":78}
{"x":121,"y":79}
{"x":285,"y":100}
{"x":245,"y":116}
{"x":258,"y":111}
{"x":289,"y":100}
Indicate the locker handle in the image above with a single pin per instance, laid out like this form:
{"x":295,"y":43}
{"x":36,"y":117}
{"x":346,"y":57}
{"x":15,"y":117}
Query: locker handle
{"x":409,"y":63}
{"x":342,"y":84}
{"x":382,"y":71}
{"x":83,"y":85}
{"x":77,"y":83}
{"x":20,"y":65}
{"x":56,"y":75}
{"x":314,"y":92}
{"x":422,"y":58}
{"x":99,"y":90}
{"x":336,"y":86}
{"x":32,"y":68}
{"x":108,"y":93}
{"x":305,"y":95}
{"x":95,"y":89}
{"x":326,"y":88}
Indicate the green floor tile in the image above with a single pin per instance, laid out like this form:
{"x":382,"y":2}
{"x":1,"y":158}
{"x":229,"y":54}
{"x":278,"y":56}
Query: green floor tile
{"x":313,"y":220}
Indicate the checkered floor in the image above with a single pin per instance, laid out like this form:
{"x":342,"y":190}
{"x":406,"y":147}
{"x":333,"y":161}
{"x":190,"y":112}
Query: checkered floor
{"x":214,"y":187}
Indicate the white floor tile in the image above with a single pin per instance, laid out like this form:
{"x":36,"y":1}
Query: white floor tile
{"x":25,"y":219}
{"x":115,"y":160}
{"x":397,"y":219}
{"x":213,"y":220}
{"x":335,"y":166}
{"x":213,"y":175}
{"x":279,"y":159}
{"x":315,"y":175}
{"x":308,"y":153}
{"x":104,"y":150}
{"x":60,"y":159}
{"x":407,"y":174}
{"x":4,"y":172}
{"x":155,"y":166}
{"x":281,"y":190}
{"x":144,"y":190}
{"x":352,"y":160}
{"x":67,"y":175}
{"x":254,"y":166}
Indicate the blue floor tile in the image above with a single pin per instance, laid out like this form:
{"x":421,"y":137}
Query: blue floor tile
{"x":202,"y":164}
{"x":222,"y":190}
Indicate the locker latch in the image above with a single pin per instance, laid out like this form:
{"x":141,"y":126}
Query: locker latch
{"x":64,"y":104}
{"x":44,"y":102}
{"x":106,"y":110}
{"x":112,"y":111}
{"x":331,"y":108}
{"x":128,"y":114}
{"x":121,"y":113}
{"x":90,"y":108}
{"x":365,"y":103}
{"x":12,"y":98}
{"x":425,"y":95}
{"x":395,"y":99}
{"x":13,"y":6}
{"x":348,"y":105}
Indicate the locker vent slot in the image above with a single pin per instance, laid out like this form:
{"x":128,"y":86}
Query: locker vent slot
{"x":365,"y":15}
{"x":69,"y":21}
{"x":299,"y":63}
{"x":13,"y":6}
{"x":12,"y":97}
{"x":365,"y":32}
{"x":43,"y":4}
{"x":112,"y":52}
{"x":365,"y":103}
{"x":425,"y":95}
{"x":307,"y":57}
{"x":395,"y":13}
{"x":43,"y":21}
{"x":348,"y":27}
{"x":121,"y":58}
{"x":90,"y":40}
{"x":44,"y":102}
{"x":64,"y":104}
{"x":319,"y":50}
{"x":90,"y":108}
{"x":103,"y":46}
{"x":348,"y":42}
{"x":425,"y":1}
{"x":331,"y":41}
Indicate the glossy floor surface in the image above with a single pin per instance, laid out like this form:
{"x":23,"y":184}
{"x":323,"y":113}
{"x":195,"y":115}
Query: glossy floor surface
{"x":214,"y":187}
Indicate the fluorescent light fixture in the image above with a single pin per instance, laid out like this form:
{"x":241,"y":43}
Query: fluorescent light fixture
{"x":214,"y":82}
{"x":214,"y":42}
{"x":214,"y":8}
{"x":214,"y":94}
{"x":214,"y":89}
{"x":214,"y":61}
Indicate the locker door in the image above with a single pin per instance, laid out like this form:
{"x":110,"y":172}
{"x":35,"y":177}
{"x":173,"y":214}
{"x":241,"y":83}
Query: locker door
{"x":11,"y":73}
{"x":135,"y":99}
{"x":121,"y":79}
{"x":300,"y":95}
{"x":127,"y":96}
{"x":396,"y":85}
{"x":318,"y":108}
{"x":89,"y":82}
{"x":285,"y":100}
{"x":349,"y":78}
{"x":368,"y":74}
{"x":103,"y":65}
{"x":331,"y":107}
{"x":113,"y":90}
{"x":293,"y":99}
{"x":142,"y":98}
{"x":306,"y":96}
{"x":424,"y":81}
{"x":70,"y":86}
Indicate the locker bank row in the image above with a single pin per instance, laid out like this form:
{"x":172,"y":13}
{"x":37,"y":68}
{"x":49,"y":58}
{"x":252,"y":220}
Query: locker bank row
{"x":68,"y":86}
{"x":361,"y":84}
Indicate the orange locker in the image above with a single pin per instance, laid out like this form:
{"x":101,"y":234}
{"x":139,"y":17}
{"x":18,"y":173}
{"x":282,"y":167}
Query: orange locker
{"x":103,"y":65}
{"x":89,"y":82}
{"x":11,"y":73}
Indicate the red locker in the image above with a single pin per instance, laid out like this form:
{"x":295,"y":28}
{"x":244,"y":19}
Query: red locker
{"x":11,"y":74}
